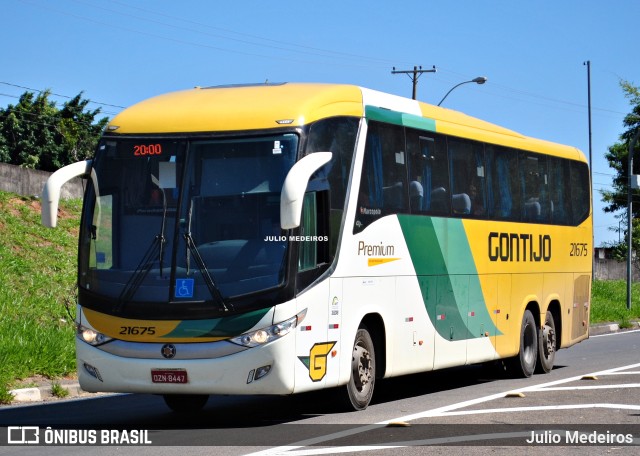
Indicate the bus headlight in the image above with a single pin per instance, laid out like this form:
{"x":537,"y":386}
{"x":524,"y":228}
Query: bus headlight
{"x":265,"y":335}
{"x":91,"y":336}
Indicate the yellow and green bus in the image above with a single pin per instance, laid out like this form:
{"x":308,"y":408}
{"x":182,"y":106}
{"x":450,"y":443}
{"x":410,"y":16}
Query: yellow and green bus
{"x":282,"y":238}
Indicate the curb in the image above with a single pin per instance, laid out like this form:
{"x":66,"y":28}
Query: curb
{"x":43,"y":393}
{"x":606,"y":328}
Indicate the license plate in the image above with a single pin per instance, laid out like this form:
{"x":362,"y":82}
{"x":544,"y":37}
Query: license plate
{"x":168,"y":376}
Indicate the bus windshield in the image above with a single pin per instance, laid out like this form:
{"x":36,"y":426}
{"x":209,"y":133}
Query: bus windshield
{"x":184,"y":221}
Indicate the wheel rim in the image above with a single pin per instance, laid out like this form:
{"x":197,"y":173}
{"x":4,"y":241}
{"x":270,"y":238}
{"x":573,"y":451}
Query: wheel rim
{"x":361,"y":369}
{"x":529,"y":344}
{"x":548,"y":341}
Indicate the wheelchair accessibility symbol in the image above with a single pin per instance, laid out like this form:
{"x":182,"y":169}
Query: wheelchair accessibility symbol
{"x":184,"y":288}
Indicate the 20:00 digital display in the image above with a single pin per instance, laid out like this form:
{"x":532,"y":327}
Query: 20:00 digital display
{"x":140,"y":150}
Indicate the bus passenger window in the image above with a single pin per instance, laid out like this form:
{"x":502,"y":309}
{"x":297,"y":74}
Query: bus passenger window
{"x":467,"y":178}
{"x":383,"y":186}
{"x":534,"y":180}
{"x":428,"y":174}
{"x":580,"y":193}
{"x":503,"y":189}
{"x":560,"y":191}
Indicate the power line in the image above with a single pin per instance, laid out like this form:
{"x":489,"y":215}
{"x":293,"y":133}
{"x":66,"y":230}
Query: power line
{"x":33,"y":114}
{"x":289,"y":45}
{"x":57,"y":94}
{"x":537,"y":96}
{"x":192,"y":43}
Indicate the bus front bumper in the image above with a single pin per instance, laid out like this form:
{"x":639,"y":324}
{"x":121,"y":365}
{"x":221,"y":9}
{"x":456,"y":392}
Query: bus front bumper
{"x":267,"y":369}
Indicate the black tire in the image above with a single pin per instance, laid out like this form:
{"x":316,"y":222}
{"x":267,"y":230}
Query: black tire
{"x":359,"y":390}
{"x":524,"y":363}
{"x":185,"y":403}
{"x":546,"y":345}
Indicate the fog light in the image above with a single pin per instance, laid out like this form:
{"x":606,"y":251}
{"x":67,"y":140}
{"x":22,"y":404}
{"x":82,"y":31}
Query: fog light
{"x":257,"y":374}
{"x":93,"y":371}
{"x":262,"y":371}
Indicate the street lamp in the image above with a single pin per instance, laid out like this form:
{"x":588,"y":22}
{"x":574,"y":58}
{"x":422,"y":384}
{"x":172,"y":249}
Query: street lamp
{"x":478,"y":80}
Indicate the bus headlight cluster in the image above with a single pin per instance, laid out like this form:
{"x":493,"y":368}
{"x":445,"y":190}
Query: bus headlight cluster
{"x":91,"y":336}
{"x":265,"y":335}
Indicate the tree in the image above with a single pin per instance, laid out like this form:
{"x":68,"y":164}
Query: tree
{"x":34,"y":133}
{"x":617,"y":156}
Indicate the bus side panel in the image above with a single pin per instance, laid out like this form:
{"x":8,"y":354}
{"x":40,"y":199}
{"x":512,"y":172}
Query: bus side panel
{"x":363,"y":296}
{"x":507,"y":341}
{"x":450,"y":307}
{"x":482,"y":298}
{"x":554,"y":290}
{"x":316,"y":345}
{"x":580,"y":310}
{"x":526,"y":289}
{"x":413,"y":350}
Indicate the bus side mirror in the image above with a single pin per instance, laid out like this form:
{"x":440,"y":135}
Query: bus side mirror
{"x":295,"y":185}
{"x":51,"y":191}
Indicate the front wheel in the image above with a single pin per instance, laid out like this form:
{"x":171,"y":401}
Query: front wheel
{"x":185,"y":403}
{"x":359,"y":390}
{"x":547,"y":345}
{"x":524,"y":363}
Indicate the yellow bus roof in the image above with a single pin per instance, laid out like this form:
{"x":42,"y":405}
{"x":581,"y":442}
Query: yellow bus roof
{"x":232,"y":108}
{"x":267,"y":106}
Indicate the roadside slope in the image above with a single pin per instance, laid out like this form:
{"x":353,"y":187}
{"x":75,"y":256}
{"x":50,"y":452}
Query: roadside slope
{"x":37,"y":275}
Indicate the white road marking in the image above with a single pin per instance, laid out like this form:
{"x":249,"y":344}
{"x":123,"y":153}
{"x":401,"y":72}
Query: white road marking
{"x":542,"y":408}
{"x":435,"y":441}
{"x":590,"y":387}
{"x":448,"y":410}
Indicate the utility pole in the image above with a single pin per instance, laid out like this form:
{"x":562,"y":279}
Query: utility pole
{"x":588,"y":64}
{"x":632,"y":184}
{"x":414,"y":75}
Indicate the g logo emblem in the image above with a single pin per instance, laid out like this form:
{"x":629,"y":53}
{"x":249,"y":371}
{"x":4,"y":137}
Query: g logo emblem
{"x":316,"y":362}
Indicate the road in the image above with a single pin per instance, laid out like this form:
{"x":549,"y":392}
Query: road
{"x":592,"y":393}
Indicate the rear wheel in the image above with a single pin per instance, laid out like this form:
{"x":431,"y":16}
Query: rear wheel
{"x":359,"y":390}
{"x":185,"y":403}
{"x":524,"y":364}
{"x":547,"y":345}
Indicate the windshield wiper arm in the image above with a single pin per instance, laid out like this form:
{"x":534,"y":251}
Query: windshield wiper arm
{"x":148,"y":259}
{"x":208,"y":280}
{"x":138,"y":276}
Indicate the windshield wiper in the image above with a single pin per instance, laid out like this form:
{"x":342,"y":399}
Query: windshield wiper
{"x":143,"y":268}
{"x":148,"y":259}
{"x":204,"y":271}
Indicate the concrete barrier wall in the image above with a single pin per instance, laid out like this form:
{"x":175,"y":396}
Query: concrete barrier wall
{"x":607,"y":269}
{"x":29,"y":182}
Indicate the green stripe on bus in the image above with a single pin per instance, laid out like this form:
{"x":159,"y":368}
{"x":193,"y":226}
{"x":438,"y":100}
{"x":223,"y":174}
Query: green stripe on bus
{"x":399,"y":118}
{"x":448,"y":278}
{"x":231,"y":326}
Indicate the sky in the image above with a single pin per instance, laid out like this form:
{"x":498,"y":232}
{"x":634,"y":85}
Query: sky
{"x":118,"y":52}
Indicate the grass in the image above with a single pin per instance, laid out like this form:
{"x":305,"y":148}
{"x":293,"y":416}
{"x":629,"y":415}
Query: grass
{"x":609,"y":302}
{"x":38,"y":274}
{"x":58,"y":390}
